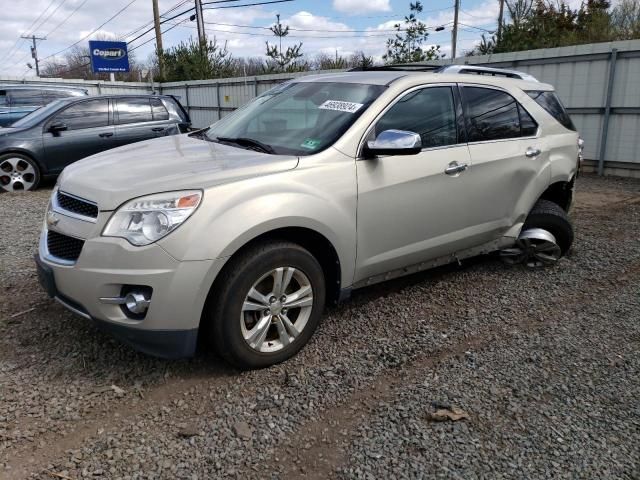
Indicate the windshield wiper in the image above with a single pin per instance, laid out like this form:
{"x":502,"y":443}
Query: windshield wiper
{"x":249,"y":143}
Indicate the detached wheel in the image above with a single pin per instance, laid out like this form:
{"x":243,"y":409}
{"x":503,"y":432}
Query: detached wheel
{"x":267,"y":306}
{"x":18,"y":173}
{"x":547,"y":235}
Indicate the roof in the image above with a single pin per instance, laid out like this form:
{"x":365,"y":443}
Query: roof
{"x":113,"y":95}
{"x":35,"y":86}
{"x":388,"y":77}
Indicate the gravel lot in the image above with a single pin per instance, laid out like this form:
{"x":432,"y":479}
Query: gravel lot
{"x":546,"y":364}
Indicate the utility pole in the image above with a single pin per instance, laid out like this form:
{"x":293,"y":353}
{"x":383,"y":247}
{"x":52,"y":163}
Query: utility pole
{"x":200,"y":20}
{"x":156,"y":21}
{"x":454,"y":31}
{"x":34,"y":50}
{"x":500,"y":16}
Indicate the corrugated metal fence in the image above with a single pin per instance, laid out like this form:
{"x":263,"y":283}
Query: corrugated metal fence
{"x":599,"y":84}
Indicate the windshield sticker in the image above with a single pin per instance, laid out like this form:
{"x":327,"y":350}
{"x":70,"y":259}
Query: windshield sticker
{"x":310,"y":143}
{"x":340,"y":106}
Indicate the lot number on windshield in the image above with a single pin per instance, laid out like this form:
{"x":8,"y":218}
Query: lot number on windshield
{"x":340,"y":106}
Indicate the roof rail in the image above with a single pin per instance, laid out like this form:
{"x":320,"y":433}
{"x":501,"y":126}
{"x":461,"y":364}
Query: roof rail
{"x":409,"y":67}
{"x":479,"y":70}
{"x":472,"y":69}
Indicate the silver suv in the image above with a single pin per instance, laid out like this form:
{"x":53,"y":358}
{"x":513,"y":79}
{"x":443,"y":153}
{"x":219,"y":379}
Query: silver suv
{"x":239,"y":234}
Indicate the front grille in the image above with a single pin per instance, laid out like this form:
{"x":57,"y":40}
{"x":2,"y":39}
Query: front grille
{"x":64,"y":247}
{"x":76,"y":205}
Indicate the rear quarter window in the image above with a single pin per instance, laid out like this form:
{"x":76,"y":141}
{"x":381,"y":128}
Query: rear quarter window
{"x":158,"y":109}
{"x":552,"y":104}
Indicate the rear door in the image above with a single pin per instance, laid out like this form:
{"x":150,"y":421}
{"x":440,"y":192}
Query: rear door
{"x":510,"y":159}
{"x":135,"y":119}
{"x":89,"y":130}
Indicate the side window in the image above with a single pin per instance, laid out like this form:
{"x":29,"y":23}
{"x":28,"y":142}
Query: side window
{"x":158,"y":109}
{"x":25,"y":98}
{"x":134,"y":110}
{"x":3,"y":98}
{"x":492,"y":114}
{"x":429,"y":112}
{"x":551,"y":103}
{"x":527,"y":123}
{"x":89,"y":114}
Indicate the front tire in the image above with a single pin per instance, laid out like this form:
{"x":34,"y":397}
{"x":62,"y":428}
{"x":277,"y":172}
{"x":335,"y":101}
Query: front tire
{"x":18,"y":173}
{"x":266,"y":305}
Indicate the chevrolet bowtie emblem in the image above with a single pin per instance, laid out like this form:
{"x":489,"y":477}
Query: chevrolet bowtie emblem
{"x":52,"y":219}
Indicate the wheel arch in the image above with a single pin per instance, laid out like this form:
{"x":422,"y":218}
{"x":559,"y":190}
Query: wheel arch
{"x":29,"y":154}
{"x":315,"y":242}
{"x":560,"y":193}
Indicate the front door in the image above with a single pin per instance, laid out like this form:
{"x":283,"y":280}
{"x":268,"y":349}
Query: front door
{"x":415,"y":208}
{"x":87,"y":131}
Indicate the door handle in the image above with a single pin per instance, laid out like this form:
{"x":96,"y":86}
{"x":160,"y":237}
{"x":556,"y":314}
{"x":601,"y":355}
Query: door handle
{"x":107,"y":134}
{"x":157,"y":129}
{"x":455,"y":168}
{"x":532,"y":152}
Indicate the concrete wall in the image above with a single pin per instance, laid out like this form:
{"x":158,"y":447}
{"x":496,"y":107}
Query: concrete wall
{"x":599,"y":84}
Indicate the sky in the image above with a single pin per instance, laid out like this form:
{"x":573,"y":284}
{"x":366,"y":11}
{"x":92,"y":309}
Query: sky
{"x":329,"y":26}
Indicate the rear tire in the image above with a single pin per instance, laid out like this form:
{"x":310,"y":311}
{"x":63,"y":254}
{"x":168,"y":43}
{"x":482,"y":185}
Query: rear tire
{"x":266,"y":305}
{"x":18,"y":173}
{"x":546,"y":236}
{"x":551,"y":217}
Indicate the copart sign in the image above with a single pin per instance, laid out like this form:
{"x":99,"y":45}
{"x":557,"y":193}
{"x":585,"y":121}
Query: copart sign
{"x":108,"y":56}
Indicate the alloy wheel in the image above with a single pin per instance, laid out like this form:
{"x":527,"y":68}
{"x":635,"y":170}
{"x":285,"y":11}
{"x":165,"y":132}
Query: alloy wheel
{"x":276,"y":309}
{"x":16,"y":174}
{"x":534,"y":248}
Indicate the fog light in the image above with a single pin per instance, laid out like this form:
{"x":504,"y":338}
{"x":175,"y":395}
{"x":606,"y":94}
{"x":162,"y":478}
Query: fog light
{"x":136,"y":302}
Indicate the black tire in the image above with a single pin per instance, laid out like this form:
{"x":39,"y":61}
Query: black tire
{"x":551,"y":217}
{"x":223,"y":309}
{"x":17,"y":163}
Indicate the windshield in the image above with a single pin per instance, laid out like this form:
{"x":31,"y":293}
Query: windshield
{"x":40,"y":114}
{"x":300,"y":118}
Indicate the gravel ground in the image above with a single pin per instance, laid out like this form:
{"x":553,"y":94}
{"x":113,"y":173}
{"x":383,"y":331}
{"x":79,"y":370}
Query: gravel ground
{"x":545,"y":363}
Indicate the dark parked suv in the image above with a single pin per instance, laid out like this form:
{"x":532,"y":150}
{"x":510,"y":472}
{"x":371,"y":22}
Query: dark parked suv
{"x":47,"y":140}
{"x":16,"y":101}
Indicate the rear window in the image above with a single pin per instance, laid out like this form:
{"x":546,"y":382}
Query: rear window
{"x":552,"y":104}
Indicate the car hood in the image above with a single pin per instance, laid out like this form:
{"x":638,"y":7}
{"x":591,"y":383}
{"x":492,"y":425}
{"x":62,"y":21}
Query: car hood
{"x":177,"y":162}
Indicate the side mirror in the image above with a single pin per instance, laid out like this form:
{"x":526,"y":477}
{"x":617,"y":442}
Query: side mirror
{"x":394,"y":142}
{"x":57,"y":127}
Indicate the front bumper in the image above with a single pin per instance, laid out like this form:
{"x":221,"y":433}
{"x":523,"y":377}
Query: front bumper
{"x":169,"y":328}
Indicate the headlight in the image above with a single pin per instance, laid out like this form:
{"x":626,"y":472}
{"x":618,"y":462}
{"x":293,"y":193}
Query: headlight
{"x":147,"y":219}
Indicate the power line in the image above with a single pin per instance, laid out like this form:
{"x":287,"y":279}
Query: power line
{"x":49,"y":16}
{"x":299,"y":29}
{"x":54,"y":29}
{"x":93,"y":31}
{"x":374,"y":35}
{"x":28,"y":30}
{"x":153,"y":38}
{"x":246,"y":4}
{"x":307,"y":14}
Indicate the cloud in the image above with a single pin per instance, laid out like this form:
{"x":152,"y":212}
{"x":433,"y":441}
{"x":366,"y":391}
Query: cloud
{"x":356,"y":7}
